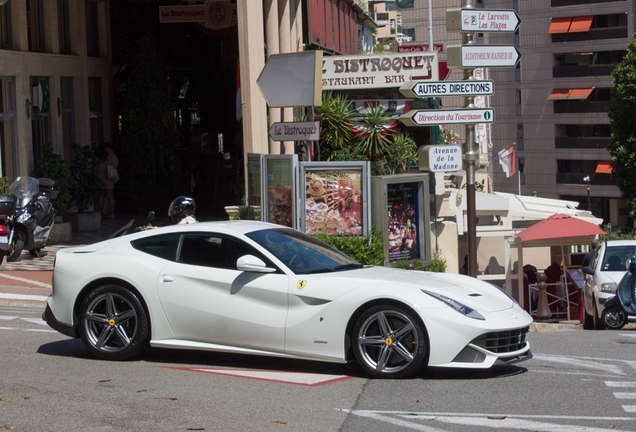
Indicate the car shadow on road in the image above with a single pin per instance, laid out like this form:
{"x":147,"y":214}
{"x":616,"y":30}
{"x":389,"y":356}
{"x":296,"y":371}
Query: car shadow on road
{"x":206,"y":359}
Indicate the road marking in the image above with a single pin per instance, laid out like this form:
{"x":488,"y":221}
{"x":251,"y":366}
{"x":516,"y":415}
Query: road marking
{"x":25,"y":280}
{"x":619,"y":395}
{"x":298,"y":378}
{"x":620,"y":383}
{"x":28,"y":330}
{"x":494,"y":421}
{"x":630,"y":408}
{"x":23,"y":297}
{"x":595,"y":364}
{"x":7,"y":317}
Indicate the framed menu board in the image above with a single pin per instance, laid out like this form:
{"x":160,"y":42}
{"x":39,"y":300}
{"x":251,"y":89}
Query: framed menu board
{"x":336,"y":197}
{"x":280,"y":184}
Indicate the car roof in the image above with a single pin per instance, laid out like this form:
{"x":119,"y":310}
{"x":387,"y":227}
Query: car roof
{"x":620,"y":242}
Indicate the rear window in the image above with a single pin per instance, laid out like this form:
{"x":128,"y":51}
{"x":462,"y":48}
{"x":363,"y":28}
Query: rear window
{"x":161,"y":246}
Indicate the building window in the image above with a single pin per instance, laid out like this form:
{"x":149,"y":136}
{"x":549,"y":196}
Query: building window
{"x":40,"y":119}
{"x":63,"y":25}
{"x":570,"y":171}
{"x":518,"y":101}
{"x":588,"y":27}
{"x":599,"y":63}
{"x":521,"y":168}
{"x":520,"y":145}
{"x":95,"y":106}
{"x":5,"y":26}
{"x":8,"y":143}
{"x":585,"y":136}
{"x":575,"y":101}
{"x":67,"y":114}
{"x":560,"y":3}
{"x":35,"y":25}
{"x":92,"y":28}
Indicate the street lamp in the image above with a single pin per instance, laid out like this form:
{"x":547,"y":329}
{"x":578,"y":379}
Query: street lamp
{"x":587,"y":180}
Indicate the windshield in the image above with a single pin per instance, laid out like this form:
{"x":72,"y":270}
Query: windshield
{"x":25,"y":188}
{"x":616,"y":257}
{"x":302,"y":253}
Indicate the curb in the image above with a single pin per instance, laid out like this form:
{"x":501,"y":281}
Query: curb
{"x":544,"y":327}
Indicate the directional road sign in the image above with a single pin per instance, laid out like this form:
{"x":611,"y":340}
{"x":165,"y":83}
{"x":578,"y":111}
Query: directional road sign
{"x":476,"y":56}
{"x":481,"y":20}
{"x":292,"y":80}
{"x":448,"y":88}
{"x":457,"y":116}
{"x":295,"y":131}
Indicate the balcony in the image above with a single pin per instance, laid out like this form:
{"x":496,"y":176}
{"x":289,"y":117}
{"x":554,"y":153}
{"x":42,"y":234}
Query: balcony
{"x":581,"y":142}
{"x":582,"y":70}
{"x":580,"y":106}
{"x":577,"y":178}
{"x":592,"y":34}
{"x":559,"y":3}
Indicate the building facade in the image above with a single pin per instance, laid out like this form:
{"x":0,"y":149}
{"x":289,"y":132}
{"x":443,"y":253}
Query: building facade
{"x":553,"y":104}
{"x":54,"y":79}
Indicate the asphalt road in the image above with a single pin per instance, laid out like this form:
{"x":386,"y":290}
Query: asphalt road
{"x":577,"y":381}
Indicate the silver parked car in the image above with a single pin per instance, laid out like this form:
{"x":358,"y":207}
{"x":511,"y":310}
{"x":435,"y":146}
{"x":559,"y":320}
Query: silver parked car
{"x":602,"y":276}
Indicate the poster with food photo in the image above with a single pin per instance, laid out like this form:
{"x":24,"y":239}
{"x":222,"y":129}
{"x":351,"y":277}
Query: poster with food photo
{"x":279,"y":191}
{"x":333,"y":201}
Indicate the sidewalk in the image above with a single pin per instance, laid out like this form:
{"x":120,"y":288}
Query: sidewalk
{"x":45,"y":263}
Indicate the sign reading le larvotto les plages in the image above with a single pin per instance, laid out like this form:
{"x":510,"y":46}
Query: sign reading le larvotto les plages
{"x":378,"y":70}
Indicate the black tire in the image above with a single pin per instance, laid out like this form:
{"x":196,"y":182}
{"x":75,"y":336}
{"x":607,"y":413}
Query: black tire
{"x":389,"y":342}
{"x":113,"y":323}
{"x":614,"y":318}
{"x":18,"y":245}
{"x":596,"y":320}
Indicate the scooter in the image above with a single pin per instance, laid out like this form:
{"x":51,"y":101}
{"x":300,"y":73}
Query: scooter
{"x":31,"y":223}
{"x":621,"y":309}
{"x":127,"y":228}
{"x":7,"y":208}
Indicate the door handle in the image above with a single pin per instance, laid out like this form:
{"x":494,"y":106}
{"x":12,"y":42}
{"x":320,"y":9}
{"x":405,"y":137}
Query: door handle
{"x":167,"y":278}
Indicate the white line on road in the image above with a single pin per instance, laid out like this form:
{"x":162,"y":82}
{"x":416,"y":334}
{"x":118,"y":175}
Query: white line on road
{"x":29,"y":281}
{"x":22,"y":297}
{"x":28,"y":330}
{"x":620,"y":383}
{"x":495,"y":421}
{"x":619,"y":395}
{"x":630,"y":408}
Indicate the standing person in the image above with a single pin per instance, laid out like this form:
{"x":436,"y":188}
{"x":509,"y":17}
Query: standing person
{"x":102,"y":168}
{"x":111,"y":154}
{"x":587,"y":259}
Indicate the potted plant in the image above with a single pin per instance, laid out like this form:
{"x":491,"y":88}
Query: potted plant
{"x":86,"y":190}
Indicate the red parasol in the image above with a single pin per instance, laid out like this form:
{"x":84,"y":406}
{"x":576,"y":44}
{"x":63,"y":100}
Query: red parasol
{"x":559,"y":226}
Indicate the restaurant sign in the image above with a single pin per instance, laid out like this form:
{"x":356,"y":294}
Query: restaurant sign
{"x":214,"y":14}
{"x":378,"y":70}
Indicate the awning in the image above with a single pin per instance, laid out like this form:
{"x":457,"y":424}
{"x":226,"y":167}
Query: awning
{"x":559,"y":25}
{"x":581,"y":24}
{"x":574,"y":94}
{"x":604,"y":167}
{"x":558,"y":94}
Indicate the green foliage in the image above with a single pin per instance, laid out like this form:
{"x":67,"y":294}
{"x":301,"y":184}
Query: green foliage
{"x":87,"y":185}
{"x":365,"y":249}
{"x":149,"y":141}
{"x":621,"y":233}
{"x":622,"y":114}
{"x":51,"y":165}
{"x":4,"y":186}
{"x":401,"y":152}
{"x":372,"y":131}
{"x":336,"y":114}
{"x":438,"y":264}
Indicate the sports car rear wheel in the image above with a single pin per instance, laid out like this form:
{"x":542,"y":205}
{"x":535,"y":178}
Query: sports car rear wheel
{"x":113,"y":323}
{"x":389,"y":342}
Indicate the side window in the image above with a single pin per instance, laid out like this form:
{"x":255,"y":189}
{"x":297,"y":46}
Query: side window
{"x":162,"y":246}
{"x":210,"y":250}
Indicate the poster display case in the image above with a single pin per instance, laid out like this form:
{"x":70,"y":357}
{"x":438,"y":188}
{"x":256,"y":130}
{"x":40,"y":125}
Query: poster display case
{"x":336,"y":198}
{"x":279,"y":197}
{"x":254,"y":190}
{"x":401,"y":210}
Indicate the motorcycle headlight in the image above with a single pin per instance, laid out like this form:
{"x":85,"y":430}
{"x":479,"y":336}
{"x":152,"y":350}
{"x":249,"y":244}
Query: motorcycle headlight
{"x":23,"y":218}
{"x":457,"y":306}
{"x":608,"y":287}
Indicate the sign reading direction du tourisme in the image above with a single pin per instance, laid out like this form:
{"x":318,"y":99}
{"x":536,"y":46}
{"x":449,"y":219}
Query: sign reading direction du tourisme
{"x":444,"y":116}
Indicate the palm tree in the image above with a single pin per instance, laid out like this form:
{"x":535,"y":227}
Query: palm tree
{"x":372,"y":129}
{"x":336,"y":115}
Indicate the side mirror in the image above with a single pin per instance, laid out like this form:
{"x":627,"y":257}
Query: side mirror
{"x":251,"y":263}
{"x":588,"y":270}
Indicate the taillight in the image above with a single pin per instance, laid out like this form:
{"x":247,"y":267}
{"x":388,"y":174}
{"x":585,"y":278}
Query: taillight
{"x":3,"y":229}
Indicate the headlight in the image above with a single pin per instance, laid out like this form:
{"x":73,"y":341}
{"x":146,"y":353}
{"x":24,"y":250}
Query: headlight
{"x":609,"y":287}
{"x":457,"y":306}
{"x":24,"y":218}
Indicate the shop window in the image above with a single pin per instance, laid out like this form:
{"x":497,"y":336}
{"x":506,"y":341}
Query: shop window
{"x":8,"y":142}
{"x":95,"y":105}
{"x":92,"y":28}
{"x":67,"y":114}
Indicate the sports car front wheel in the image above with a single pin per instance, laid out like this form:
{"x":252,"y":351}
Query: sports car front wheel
{"x":113,"y":323}
{"x":389,"y":342}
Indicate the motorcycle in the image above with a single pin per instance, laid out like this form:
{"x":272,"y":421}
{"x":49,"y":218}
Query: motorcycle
{"x":621,"y":308}
{"x":31,"y":223}
{"x":126,"y":228}
{"x":7,"y":208}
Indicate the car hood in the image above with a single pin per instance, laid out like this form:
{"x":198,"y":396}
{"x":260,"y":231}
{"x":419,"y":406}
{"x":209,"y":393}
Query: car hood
{"x":611,"y":276}
{"x":471,"y":292}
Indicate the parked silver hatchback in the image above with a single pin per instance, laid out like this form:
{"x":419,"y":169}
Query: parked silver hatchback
{"x":602,"y":276}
